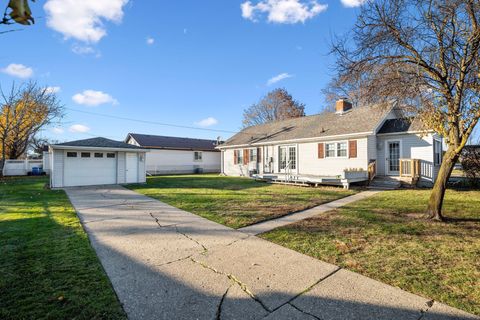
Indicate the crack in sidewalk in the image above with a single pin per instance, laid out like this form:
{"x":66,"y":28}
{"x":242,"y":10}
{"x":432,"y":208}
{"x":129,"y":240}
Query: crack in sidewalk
{"x":233,"y":278}
{"x":290,"y":301}
{"x":304,"y":312}
{"x":218,"y":316}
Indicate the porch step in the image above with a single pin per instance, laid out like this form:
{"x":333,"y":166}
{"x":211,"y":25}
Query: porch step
{"x":384,"y":183}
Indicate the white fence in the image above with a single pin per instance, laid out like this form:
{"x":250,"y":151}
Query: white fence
{"x":20,"y":167}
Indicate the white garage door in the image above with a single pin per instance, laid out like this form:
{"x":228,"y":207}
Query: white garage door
{"x":83,"y":168}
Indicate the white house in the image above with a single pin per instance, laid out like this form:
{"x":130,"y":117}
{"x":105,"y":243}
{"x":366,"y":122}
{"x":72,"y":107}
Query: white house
{"x":172,"y":155}
{"x":349,"y":145}
{"x":96,"y":161}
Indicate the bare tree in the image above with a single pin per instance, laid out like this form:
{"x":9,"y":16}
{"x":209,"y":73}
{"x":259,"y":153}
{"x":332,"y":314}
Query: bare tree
{"x":276,"y":105}
{"x":425,"y":55}
{"x":23,"y":112}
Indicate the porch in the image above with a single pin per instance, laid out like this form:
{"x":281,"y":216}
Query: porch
{"x":312,"y":180}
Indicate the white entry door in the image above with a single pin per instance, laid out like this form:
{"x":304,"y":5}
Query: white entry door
{"x":132,"y":167}
{"x":393,"y":151}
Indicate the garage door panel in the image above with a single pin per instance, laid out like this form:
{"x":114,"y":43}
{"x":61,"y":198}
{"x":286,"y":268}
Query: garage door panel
{"x":89,"y":171}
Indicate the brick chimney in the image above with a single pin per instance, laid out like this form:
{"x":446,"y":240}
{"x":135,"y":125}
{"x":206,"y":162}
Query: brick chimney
{"x":342,"y":105}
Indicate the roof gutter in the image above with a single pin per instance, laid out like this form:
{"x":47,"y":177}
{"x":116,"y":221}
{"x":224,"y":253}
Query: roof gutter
{"x":54,"y":146}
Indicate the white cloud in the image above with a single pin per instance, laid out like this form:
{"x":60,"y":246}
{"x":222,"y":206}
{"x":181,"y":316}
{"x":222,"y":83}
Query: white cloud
{"x":78,"y":128}
{"x":150,"y":40}
{"x":52,"y":89}
{"x":277,"y":78}
{"x":83,"y":50}
{"x":83,"y":20}
{"x":207,"y":122}
{"x":93,"y":98}
{"x":58,"y":130}
{"x":353,"y":3}
{"x":18,"y":70}
{"x":283,"y":11}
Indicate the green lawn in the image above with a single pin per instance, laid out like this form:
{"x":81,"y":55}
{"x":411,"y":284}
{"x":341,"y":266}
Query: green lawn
{"x":386,"y":238}
{"x":233,"y":201}
{"x":48,"y":269}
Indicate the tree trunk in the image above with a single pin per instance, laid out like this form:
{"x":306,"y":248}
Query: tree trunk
{"x":435,"y":203}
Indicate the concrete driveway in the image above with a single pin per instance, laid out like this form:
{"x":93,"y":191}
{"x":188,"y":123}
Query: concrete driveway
{"x":165,"y":263}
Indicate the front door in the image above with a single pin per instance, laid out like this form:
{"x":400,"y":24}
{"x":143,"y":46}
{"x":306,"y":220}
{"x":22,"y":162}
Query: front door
{"x":393,"y":158}
{"x":287,"y":158}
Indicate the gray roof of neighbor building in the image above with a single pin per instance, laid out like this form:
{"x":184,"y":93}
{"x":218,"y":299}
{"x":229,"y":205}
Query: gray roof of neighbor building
{"x":98,"y":143}
{"x":176,"y":143}
{"x":401,"y":125}
{"x":356,"y":120}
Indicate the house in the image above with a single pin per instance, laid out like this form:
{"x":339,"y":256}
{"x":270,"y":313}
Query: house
{"x":95,"y":161}
{"x":341,"y":147}
{"x":174,"y":155}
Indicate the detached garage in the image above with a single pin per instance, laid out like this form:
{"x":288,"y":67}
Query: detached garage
{"x":96,"y":161}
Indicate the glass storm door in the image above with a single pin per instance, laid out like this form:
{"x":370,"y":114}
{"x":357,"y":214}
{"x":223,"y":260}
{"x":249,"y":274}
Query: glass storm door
{"x":393,"y":160}
{"x":287,"y":156}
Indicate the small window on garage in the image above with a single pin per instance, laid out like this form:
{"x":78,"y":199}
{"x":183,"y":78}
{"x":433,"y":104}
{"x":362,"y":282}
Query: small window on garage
{"x":111,"y":155}
{"x":197,"y":156}
{"x":98,"y":154}
{"x":71,"y":154}
{"x":85,"y":154}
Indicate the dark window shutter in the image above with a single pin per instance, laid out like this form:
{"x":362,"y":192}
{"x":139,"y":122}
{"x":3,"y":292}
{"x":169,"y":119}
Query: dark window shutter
{"x":352,"y":148}
{"x":321,"y":150}
{"x":235,"y":156}
{"x":259,"y":155}
{"x":245,"y":156}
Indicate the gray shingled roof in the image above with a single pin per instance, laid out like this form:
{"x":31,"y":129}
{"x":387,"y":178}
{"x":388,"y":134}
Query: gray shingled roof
{"x":164,"y":142}
{"x":98,"y":143}
{"x":357,"y":120}
{"x":401,"y":125}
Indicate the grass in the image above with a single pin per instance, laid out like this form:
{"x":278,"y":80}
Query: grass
{"x":48,"y":270}
{"x":386,"y":238}
{"x":233,"y":201}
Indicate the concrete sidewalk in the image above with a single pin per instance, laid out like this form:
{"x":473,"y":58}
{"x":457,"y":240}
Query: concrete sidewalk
{"x":268,"y":225}
{"x":165,"y":263}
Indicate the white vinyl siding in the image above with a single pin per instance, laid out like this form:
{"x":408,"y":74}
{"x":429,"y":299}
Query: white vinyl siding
{"x":57,"y":169}
{"x":121,"y":173}
{"x":180,"y":161}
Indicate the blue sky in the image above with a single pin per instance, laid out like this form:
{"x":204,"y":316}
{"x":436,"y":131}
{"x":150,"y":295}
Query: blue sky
{"x":189,"y":63}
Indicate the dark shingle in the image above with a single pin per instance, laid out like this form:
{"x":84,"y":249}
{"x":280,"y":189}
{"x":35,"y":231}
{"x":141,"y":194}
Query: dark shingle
{"x":401,"y":125}
{"x":164,"y":142}
{"x":357,"y":120}
{"x":98,"y":143}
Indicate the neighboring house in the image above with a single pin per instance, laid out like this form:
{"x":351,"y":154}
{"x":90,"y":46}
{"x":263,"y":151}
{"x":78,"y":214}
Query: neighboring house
{"x":349,"y":145}
{"x":172,"y":155}
{"x":95,"y":161}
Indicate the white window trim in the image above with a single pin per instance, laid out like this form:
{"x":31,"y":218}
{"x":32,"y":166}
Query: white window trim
{"x":250,"y":155}
{"x":336,"y":156}
{"x":239,"y":156}
{"x":201,"y":156}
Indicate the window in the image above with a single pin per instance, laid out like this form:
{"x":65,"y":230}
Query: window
{"x":71,"y":154}
{"x":239,"y":156}
{"x":85,"y":154}
{"x":253,"y":155}
{"x":98,"y":155}
{"x":329,"y":150}
{"x":341,"y":149}
{"x":282,"y":155}
{"x":111,"y":155}
{"x":437,"y":152}
{"x":197,"y":156}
